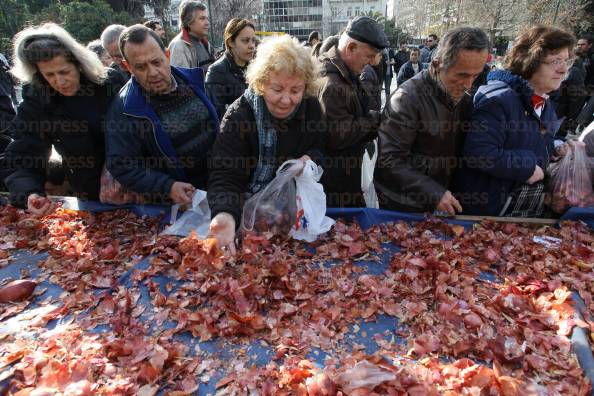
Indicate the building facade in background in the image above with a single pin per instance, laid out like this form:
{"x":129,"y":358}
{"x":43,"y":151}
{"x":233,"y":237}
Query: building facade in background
{"x":294,"y":17}
{"x":413,"y":18}
{"x":337,"y":13}
{"x":300,"y":17}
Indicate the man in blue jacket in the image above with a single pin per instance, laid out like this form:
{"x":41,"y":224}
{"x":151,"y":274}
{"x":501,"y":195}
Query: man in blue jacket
{"x":410,"y":68}
{"x":161,"y":127}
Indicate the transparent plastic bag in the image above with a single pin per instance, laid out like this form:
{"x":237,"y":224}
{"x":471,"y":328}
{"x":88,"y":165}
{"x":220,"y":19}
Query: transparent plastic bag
{"x":197,"y":218}
{"x":571,"y":181}
{"x":311,"y":219}
{"x":363,"y":375}
{"x":112,"y":192}
{"x":274,"y":208}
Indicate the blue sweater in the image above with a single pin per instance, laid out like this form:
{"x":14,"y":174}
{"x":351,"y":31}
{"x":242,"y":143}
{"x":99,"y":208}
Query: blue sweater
{"x":507,"y":139}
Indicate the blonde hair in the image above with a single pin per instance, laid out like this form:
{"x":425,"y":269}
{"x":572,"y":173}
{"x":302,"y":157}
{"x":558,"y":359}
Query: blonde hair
{"x":45,"y":42}
{"x":282,"y":54}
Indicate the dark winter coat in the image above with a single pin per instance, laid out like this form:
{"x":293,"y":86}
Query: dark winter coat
{"x":420,"y":138}
{"x":225,"y":82}
{"x":407,"y":72}
{"x":507,"y":140}
{"x":571,"y":96}
{"x":350,"y":127}
{"x":371,"y":85}
{"x":236,"y":150}
{"x":42,"y":121}
{"x":400,"y":58}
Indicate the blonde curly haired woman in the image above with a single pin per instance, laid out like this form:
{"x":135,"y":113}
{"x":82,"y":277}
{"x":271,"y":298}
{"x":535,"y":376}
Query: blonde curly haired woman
{"x":277,"y":118}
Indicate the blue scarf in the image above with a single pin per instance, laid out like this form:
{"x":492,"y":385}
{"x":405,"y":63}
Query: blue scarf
{"x":266,"y":167}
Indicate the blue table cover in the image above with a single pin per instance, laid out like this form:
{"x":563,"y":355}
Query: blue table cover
{"x":260,"y":354}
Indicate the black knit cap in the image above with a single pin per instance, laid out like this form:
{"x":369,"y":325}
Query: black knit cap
{"x":368,"y":31}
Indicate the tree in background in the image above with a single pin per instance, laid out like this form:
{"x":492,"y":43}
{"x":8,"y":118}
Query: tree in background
{"x":13,"y":15}
{"x":36,"y":6}
{"x":223,"y":10}
{"x":394,"y":33}
{"x":501,"y":19}
{"x":496,"y":17}
{"x":570,"y":14}
{"x":377,"y":16}
{"x":134,"y":8}
{"x":161,"y":8}
{"x":85,"y":20}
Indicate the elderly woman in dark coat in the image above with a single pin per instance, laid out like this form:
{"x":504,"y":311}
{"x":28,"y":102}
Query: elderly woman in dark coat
{"x":511,"y":142}
{"x":67,"y":93}
{"x":225,"y":80}
{"x":276,"y":119}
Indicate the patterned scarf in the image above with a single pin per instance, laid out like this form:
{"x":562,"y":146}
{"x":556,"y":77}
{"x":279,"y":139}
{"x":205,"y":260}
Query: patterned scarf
{"x":266,"y":167}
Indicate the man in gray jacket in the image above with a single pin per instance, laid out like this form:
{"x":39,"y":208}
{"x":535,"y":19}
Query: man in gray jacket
{"x":191,"y":48}
{"x":421,"y":130}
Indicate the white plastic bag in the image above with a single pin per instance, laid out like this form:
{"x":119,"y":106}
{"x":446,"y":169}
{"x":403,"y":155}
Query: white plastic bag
{"x":367,"y":168}
{"x":196,"y":218}
{"x":311,"y":219}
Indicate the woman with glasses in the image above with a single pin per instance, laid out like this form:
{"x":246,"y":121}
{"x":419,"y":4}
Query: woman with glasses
{"x":66,"y":95}
{"x":225,"y":80}
{"x":511,"y":140}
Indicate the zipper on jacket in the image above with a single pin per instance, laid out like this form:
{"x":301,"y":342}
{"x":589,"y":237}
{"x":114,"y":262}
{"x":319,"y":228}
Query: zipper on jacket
{"x":154,"y":132}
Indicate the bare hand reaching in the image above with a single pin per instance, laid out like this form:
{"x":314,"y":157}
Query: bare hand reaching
{"x":449,"y":204}
{"x":39,"y":205}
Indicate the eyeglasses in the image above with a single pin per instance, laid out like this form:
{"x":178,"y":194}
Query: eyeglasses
{"x":559,"y":62}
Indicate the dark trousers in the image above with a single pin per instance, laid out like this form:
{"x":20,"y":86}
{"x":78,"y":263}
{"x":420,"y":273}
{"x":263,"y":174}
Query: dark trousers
{"x":387,"y":82}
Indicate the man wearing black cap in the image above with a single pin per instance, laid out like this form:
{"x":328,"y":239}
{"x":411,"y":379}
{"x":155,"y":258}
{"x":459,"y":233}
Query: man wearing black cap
{"x":351,"y":124}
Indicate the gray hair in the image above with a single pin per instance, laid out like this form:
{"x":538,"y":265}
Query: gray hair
{"x":97,"y":47}
{"x":45,"y":42}
{"x":111,"y":34}
{"x":344,"y":40}
{"x":186,"y":11}
{"x":459,"y":39}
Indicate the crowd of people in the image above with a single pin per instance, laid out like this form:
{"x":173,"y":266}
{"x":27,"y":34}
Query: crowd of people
{"x":156,"y":122}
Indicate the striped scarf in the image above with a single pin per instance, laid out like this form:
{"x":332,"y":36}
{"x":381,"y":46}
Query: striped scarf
{"x":266,"y":167}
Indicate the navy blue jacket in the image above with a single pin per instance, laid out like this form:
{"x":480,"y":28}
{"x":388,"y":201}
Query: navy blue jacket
{"x":136,"y":154}
{"x":506,"y":141}
{"x":407,"y":72}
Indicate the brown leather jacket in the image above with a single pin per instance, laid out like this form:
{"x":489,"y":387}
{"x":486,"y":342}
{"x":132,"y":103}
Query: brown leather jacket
{"x":350,"y":128}
{"x":420,"y":139}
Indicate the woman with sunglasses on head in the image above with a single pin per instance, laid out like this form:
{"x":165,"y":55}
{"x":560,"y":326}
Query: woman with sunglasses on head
{"x":66,"y":95}
{"x":225,"y":80}
{"x":512,"y":136}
